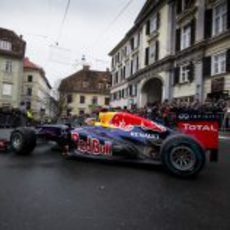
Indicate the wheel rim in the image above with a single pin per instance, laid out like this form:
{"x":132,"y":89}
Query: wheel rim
{"x":183,"y":158}
{"x":17,"y":140}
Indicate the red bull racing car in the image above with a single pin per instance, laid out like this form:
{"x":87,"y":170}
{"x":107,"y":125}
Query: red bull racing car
{"x":121,"y":136}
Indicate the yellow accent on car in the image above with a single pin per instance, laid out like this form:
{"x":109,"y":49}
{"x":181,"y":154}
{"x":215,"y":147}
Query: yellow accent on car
{"x":104,"y":119}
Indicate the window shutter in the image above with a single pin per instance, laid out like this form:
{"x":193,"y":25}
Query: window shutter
{"x":130,"y":90}
{"x":157,"y":51}
{"x":178,"y":37}
{"x":132,"y":43}
{"x":191,"y":73}
{"x":176,"y":75}
{"x":179,"y":6}
{"x":228,"y":14}
{"x":193,"y":31}
{"x":228,"y":60}
{"x":121,"y":74}
{"x":208,"y":23}
{"x":148,"y":27}
{"x":207,"y":66}
{"x":147,"y":56}
{"x":158,"y":20}
{"x":131,"y":67}
{"x":187,"y":4}
{"x":137,"y":63}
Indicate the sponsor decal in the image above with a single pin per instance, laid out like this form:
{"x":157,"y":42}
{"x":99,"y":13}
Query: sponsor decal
{"x":152,"y":125}
{"x":205,"y":132}
{"x":124,"y":126}
{"x":183,"y":116}
{"x":199,"y":127}
{"x":94,"y":147}
{"x":194,"y":116}
{"x":145,"y":135}
{"x":126,"y":122}
{"x":144,"y":125}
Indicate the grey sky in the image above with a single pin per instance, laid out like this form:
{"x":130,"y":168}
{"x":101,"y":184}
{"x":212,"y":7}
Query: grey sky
{"x":85,"y":31}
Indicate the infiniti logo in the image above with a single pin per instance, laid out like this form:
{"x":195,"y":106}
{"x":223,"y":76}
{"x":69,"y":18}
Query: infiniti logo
{"x":184,"y":116}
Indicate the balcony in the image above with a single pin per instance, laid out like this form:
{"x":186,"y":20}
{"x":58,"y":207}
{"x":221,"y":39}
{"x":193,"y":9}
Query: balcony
{"x":189,"y":12}
{"x":152,"y":36}
{"x":135,"y":51}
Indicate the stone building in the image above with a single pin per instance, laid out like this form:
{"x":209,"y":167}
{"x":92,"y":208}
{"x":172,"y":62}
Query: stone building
{"x":12,"y":51}
{"x":85,"y":90}
{"x":176,"y":49}
{"x":36,"y":91}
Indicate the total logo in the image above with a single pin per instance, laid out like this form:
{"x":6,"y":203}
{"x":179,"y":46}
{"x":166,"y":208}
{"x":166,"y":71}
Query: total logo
{"x":199,"y":127}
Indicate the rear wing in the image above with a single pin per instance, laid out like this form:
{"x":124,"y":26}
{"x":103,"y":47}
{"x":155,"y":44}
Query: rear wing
{"x":204,"y":127}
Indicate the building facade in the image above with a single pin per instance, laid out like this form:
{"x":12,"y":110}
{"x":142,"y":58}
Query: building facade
{"x":36,"y":91}
{"x":177,"y":49}
{"x":84,"y":91}
{"x":12,"y":51}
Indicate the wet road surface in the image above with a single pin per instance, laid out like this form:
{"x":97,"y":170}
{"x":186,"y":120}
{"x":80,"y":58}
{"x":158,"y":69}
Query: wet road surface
{"x":45,"y":191}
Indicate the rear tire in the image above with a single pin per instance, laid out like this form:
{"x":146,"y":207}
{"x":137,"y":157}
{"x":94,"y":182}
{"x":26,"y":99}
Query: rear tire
{"x":23,"y":141}
{"x":182,"y":156}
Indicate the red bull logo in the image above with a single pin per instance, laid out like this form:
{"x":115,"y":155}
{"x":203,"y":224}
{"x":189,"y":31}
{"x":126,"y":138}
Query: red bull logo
{"x":126,"y":121}
{"x":92,"y":145}
{"x":124,"y":126}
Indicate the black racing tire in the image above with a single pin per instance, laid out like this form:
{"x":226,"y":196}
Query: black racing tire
{"x":23,"y":141}
{"x":182,"y":156}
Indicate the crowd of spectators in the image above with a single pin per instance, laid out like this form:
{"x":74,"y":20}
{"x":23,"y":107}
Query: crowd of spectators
{"x":12,"y":118}
{"x":166,"y":112}
{"x":161,"y":109}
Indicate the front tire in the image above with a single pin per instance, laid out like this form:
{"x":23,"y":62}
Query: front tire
{"x":182,"y":156}
{"x":23,"y":141}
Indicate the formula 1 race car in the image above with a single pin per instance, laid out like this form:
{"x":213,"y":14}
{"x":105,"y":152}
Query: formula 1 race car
{"x":120,"y":136}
